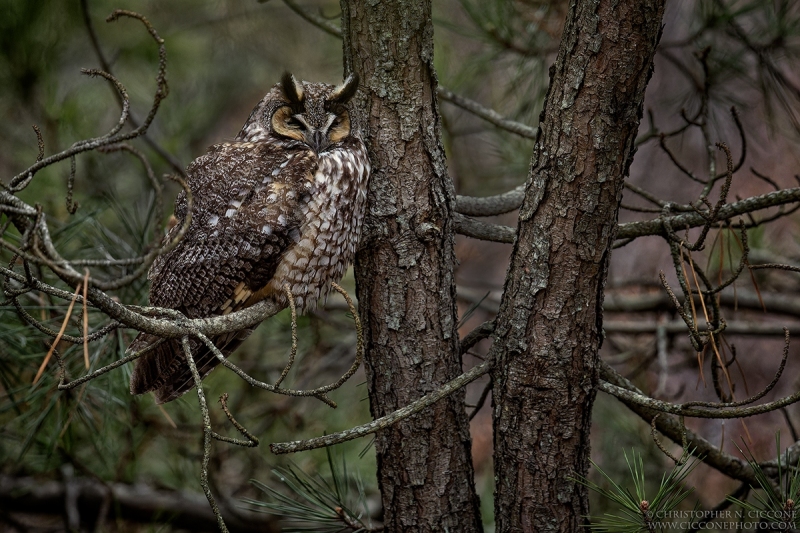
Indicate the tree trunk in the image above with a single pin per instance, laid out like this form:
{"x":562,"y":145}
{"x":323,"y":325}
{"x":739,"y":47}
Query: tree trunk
{"x":547,"y":333}
{"x":404,"y":270}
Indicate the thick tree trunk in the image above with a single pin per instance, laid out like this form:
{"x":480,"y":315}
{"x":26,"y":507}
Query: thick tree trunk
{"x":404,"y":270}
{"x":547,"y":334}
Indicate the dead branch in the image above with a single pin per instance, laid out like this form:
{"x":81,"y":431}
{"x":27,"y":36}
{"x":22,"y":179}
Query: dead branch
{"x":489,"y":115}
{"x":385,"y":421}
{"x":630,"y":230}
{"x":134,"y":503}
{"x":490,"y":205}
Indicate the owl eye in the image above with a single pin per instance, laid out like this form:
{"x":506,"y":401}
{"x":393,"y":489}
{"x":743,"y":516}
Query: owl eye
{"x":340,"y":127}
{"x":288,"y":123}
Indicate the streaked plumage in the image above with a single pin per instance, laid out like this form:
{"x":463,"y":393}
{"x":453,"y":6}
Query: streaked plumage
{"x":280,"y":205}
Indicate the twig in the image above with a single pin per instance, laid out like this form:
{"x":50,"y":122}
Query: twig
{"x":485,"y":394}
{"x":385,"y":421}
{"x":674,"y":430}
{"x":64,"y":384}
{"x":742,"y":138}
{"x":498,"y":233}
{"x":293,"y":352}
{"x":316,"y":20}
{"x":653,"y":199}
{"x":763,"y":392}
{"x":22,"y":179}
{"x":713,"y":216}
{"x":476,"y":335}
{"x":473,"y":107}
{"x":319,"y":392}
{"x":39,"y":143}
{"x":207,"y":434}
{"x":778,"y":266}
{"x":676,"y":460}
{"x":252,"y":440}
{"x":711,"y":324}
{"x":678,"y":164}
{"x":722,"y":411}
{"x":489,"y":115}
{"x":63,"y":268}
{"x":106,"y":66}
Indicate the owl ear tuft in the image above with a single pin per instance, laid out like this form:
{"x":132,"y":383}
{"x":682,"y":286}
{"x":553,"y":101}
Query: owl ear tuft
{"x":344,"y":92}
{"x":292,"y":89}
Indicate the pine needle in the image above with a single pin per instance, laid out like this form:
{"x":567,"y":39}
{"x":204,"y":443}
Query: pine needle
{"x":58,"y":337}
{"x":166,"y":415}
{"x":85,"y":320}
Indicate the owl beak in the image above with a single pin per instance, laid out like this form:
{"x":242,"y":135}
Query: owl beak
{"x":318,"y":140}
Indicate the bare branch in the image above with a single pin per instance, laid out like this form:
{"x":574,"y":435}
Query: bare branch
{"x":721,"y":411}
{"x":484,"y":231}
{"x":476,"y":335}
{"x":619,"y":302}
{"x":316,"y":20}
{"x":490,"y":205}
{"x":319,"y":392}
{"x":488,"y":115}
{"x":693,"y":220}
{"x":252,"y":440}
{"x":21,"y":180}
{"x":133,"y":503}
{"x":385,"y":421}
{"x":677,"y":327}
{"x":630,"y":230}
{"x":484,"y":394}
{"x":466,"y":104}
{"x":207,"y":434}
{"x":677,"y":432}
{"x":106,"y":66}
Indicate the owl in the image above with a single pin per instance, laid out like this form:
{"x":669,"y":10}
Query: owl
{"x":279,"y":206}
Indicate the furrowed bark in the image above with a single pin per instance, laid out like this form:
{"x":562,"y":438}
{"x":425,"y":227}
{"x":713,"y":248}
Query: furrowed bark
{"x":404,"y":270}
{"x":547,"y":333}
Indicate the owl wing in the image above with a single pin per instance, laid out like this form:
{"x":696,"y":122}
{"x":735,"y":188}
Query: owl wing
{"x":245,"y":215}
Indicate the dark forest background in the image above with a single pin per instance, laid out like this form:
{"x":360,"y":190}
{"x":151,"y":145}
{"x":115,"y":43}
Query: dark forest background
{"x":222,"y":57}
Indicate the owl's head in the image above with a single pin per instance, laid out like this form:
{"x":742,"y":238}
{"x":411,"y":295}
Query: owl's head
{"x":315,"y":114}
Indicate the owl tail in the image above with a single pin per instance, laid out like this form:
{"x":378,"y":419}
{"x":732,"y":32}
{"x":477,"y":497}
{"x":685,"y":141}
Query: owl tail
{"x":164,"y":371}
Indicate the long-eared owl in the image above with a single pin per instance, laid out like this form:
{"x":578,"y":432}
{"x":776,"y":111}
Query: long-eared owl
{"x":281,"y":205}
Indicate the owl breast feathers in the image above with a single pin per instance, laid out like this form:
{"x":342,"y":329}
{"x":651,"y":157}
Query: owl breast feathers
{"x":280,"y":206}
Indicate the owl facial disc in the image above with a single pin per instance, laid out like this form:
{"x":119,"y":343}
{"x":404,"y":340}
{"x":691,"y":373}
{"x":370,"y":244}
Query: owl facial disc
{"x":318,"y":122}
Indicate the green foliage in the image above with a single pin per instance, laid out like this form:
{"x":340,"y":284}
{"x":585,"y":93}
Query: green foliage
{"x":511,"y":46}
{"x":222,"y":57}
{"x":336,"y":503}
{"x":774,"y":502}
{"x":42,"y":427}
{"x":752,"y":45}
{"x":638,"y":513}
